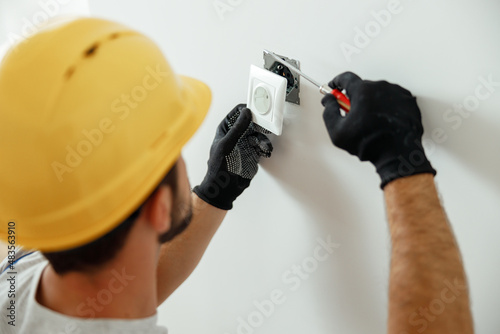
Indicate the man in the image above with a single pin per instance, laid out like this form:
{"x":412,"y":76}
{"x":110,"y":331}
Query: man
{"x":105,"y":196}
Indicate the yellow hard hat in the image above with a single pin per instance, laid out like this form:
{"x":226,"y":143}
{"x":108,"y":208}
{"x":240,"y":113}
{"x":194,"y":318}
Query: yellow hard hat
{"x":91,"y":119}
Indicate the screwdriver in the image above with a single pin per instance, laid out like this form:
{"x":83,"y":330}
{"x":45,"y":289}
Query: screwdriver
{"x":343,"y":101}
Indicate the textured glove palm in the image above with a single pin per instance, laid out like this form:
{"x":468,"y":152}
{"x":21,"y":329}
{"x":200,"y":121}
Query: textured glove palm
{"x":383,"y":126}
{"x":234,"y":156}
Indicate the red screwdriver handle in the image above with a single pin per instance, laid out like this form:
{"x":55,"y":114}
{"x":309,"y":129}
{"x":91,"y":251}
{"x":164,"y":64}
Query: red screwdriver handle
{"x":342,"y":100}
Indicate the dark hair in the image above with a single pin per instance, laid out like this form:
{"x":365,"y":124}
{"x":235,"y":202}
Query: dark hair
{"x":94,"y":255}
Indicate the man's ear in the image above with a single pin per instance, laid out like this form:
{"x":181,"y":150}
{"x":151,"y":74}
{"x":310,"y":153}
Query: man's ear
{"x":157,"y":209}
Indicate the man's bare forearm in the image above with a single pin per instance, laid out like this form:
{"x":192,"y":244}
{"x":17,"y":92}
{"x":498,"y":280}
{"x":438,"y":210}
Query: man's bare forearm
{"x":180,"y":257}
{"x":428,"y":289}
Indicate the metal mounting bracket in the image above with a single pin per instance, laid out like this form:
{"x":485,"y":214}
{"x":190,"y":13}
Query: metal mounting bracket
{"x":293,"y":79}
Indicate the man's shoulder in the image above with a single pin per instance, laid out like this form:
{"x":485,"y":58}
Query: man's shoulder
{"x":17,"y":280}
{"x":16,"y":277}
{"x":20,"y":260}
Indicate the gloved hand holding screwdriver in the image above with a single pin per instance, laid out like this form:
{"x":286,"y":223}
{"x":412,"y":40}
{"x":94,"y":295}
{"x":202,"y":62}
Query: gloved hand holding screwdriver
{"x":384,"y":127}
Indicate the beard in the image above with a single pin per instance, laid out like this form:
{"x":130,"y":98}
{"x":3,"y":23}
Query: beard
{"x":180,"y":221}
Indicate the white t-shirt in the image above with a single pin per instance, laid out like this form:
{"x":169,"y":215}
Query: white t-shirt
{"x":29,"y":317}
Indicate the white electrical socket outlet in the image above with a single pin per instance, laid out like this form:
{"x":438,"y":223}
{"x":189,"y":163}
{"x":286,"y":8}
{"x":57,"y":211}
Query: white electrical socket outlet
{"x":266,"y":99}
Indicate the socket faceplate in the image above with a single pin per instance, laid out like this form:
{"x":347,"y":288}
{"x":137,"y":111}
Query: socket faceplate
{"x":266,"y":99}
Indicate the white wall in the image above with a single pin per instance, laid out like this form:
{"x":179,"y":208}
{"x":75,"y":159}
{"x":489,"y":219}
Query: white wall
{"x":311,"y":190}
{"x":21,"y":18}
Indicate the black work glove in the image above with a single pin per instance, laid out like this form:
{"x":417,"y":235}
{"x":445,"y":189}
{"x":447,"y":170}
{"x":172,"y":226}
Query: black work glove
{"x":234,"y":157}
{"x":384,"y":126}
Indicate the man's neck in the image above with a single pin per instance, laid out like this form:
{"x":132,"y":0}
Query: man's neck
{"x":124,"y":289}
